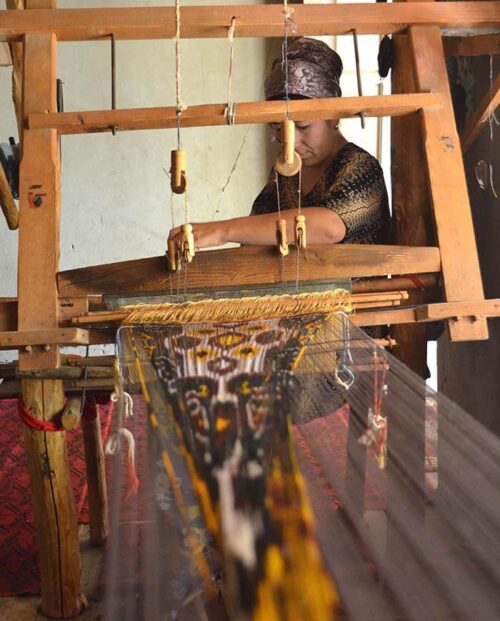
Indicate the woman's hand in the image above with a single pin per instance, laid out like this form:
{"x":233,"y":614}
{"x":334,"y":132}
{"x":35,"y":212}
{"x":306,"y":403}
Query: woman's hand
{"x":206,"y":234}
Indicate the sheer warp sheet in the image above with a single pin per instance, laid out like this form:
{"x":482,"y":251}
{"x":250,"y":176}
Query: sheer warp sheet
{"x":268,"y":471}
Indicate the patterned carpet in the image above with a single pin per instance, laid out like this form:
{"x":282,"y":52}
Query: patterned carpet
{"x":18,"y":547}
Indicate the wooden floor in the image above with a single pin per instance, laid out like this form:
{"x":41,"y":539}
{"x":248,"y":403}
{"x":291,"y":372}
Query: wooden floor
{"x":26,"y":608}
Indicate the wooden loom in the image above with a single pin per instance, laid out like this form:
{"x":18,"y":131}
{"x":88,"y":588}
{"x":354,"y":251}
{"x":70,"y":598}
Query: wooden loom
{"x":43,"y":316}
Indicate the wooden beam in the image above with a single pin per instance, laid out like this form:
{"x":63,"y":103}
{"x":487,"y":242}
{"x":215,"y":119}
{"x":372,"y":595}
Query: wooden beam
{"x":470,"y":310}
{"x":478,"y":118}
{"x":52,"y":494}
{"x":246,"y":112}
{"x":412,"y":222}
{"x":481,"y":45}
{"x":39,"y":203}
{"x":251,"y":21}
{"x":447,"y":183}
{"x":32,"y":338}
{"x":249,"y":265}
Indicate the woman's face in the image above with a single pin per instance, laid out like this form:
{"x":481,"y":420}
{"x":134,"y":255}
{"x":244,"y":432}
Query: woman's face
{"x":314,"y":140}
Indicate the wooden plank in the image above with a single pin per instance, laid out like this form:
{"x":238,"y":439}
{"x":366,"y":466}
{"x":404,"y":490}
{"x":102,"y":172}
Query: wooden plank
{"x":63,"y":336}
{"x":246,"y":112}
{"x":468,"y":312}
{"x":471,"y":309}
{"x":39,"y":203}
{"x":478,"y":118}
{"x":412,"y":222}
{"x":252,"y":21}
{"x":481,"y":45}
{"x":248,"y":265}
{"x":96,"y":478}
{"x":452,"y":213}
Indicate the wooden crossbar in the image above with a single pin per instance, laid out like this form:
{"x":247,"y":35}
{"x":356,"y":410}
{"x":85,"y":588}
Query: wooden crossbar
{"x":246,"y":112}
{"x":251,"y":21}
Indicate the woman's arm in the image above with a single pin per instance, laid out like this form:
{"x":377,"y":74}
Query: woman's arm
{"x":323,"y":226}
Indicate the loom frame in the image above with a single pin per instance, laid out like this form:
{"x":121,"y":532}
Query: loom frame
{"x":38,"y":322}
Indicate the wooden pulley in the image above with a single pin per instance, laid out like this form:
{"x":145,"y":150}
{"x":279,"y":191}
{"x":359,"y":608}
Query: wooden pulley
{"x":187,"y":242}
{"x":281,"y":237}
{"x":300,"y":231}
{"x":172,"y":262}
{"x":289,"y":162}
{"x":178,"y":176}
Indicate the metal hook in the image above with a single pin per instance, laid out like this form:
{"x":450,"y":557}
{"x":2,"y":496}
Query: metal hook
{"x":343,"y":373}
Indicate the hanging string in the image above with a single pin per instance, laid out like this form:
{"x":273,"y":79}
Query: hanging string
{"x":231,"y":107}
{"x":180,"y":106}
{"x":288,"y":21}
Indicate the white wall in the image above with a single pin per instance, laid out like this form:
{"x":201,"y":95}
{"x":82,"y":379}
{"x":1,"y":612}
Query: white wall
{"x":115,"y":194}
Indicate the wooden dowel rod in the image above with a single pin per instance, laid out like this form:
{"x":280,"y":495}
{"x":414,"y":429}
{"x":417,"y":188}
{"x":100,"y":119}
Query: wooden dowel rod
{"x":96,"y":479}
{"x":418,"y":281}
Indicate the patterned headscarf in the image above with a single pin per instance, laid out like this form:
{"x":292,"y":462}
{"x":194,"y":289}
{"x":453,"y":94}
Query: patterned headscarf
{"x":314,"y":71}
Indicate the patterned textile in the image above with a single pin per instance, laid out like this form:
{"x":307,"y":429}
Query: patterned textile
{"x":19,"y":573}
{"x":314,"y":71}
{"x":219,"y":399}
{"x":352,"y":186}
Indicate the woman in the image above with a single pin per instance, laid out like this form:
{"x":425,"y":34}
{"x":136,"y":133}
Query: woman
{"x":343,"y":194}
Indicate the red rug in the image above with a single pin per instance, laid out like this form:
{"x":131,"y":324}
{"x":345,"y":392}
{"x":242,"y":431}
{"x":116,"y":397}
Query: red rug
{"x":19,"y":572}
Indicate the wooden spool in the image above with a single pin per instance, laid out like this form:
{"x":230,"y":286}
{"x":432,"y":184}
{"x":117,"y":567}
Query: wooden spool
{"x":289,"y":162}
{"x":178,"y":177}
{"x":300,"y":231}
{"x":281,"y":237}
{"x":172,"y":262}
{"x":187,"y":242}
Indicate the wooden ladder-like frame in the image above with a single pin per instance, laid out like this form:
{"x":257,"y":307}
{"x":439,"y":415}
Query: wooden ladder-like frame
{"x":39,"y":332}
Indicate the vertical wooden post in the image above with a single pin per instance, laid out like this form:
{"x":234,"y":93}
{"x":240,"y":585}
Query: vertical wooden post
{"x":448,"y":187}
{"x":411,"y":210}
{"x":37,"y":309}
{"x":96,"y":477}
